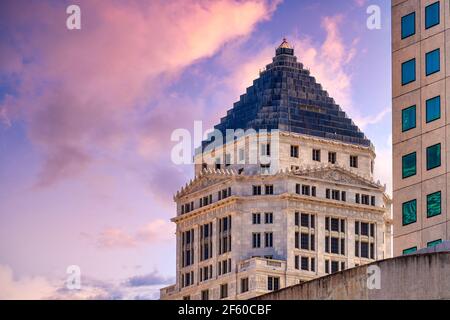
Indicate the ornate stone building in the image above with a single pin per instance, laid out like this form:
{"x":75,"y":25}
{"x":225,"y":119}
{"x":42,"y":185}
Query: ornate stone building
{"x":306,"y":207}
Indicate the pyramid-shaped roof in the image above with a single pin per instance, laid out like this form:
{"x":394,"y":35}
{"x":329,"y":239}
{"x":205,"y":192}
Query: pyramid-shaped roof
{"x":288,"y":98}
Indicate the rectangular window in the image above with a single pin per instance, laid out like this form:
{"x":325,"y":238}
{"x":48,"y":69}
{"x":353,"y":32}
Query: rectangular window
{"x":244,"y":285}
{"x":296,"y":262}
{"x":304,"y":241}
{"x":432,"y":15}
{"x":334,"y":266}
{"x":256,"y":239}
{"x":268,"y":239}
{"x":434,"y":243}
{"x":434,"y":156}
{"x":409,"y":166}
{"x":434,"y":204}
{"x":327,"y":193}
{"x":296,"y":218}
{"x":357,"y":198}
{"x":410,"y":250}
{"x":268,"y":218}
{"x":305,"y":220}
{"x":256,"y":190}
{"x":327,"y":266}
{"x":316,"y":155}
{"x":313,"y":191}
{"x":408,"y":25}
{"x":408,"y":71}
{"x":294,"y":151}
{"x":297,"y":245}
{"x":372,"y":200}
{"x":433,"y":62}
{"x":408,"y":118}
{"x":364,"y":250}
{"x":354,"y":161}
{"x":332,"y":157}
{"x":273,"y":283}
{"x":306,"y":190}
{"x":409,"y":212}
{"x":205,"y":295}
{"x":269,"y":189}
{"x":334,"y":245}
{"x":433,"y":109}
{"x":256,"y":218}
{"x":223,"y":291}
{"x":305,"y":263}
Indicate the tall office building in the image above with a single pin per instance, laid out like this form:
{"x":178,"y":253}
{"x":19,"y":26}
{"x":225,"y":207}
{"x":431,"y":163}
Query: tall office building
{"x":421,"y":124}
{"x":291,"y":199}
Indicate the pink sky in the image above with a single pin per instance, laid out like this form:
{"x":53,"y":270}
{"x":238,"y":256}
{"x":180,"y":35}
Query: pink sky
{"x":86,"y":117}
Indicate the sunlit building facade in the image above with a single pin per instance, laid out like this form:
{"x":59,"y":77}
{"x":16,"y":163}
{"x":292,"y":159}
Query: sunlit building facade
{"x":420,"y":89}
{"x":291,"y":199}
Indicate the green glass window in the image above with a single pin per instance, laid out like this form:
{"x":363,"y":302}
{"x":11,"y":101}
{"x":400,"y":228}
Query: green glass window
{"x":434,"y":156}
{"x":432,"y":17}
{"x":434,"y":207}
{"x":408,"y":25}
{"x":409,"y":167}
{"x":408,"y":71}
{"x":410,"y":250}
{"x":433,"y":62}
{"x":409,"y":212}
{"x":434,"y":243}
{"x":408,"y":118}
{"x":433,"y":109}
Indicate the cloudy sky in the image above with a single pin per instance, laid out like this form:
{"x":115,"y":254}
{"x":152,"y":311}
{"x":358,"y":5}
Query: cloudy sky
{"x":86,"y":117}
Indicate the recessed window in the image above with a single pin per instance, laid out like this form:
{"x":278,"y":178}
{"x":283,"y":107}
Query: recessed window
{"x":273,"y":283}
{"x":409,"y":212}
{"x":408,"y":25}
{"x":433,"y":109}
{"x":294,"y":151}
{"x":410,"y":250}
{"x":316,"y":155}
{"x":433,"y":62}
{"x":432,"y":16}
{"x":409,"y":166}
{"x":408,"y":118}
{"x":434,"y":156}
{"x":332,"y":157}
{"x":434,"y":243}
{"x":354,"y":161}
{"x":408,"y":71}
{"x":434,"y":207}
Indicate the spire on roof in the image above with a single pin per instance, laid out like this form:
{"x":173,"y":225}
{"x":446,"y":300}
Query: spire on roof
{"x":285,"y":44}
{"x":285,"y":48}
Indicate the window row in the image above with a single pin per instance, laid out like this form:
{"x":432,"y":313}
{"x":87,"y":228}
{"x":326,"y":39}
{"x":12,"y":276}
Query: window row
{"x":305,"y":241}
{"x":268,"y":240}
{"x":332,"y":266}
{"x":305,"y":263}
{"x":268,"y":218}
{"x":433,"y":160}
{"x":432,"y":113}
{"x":432,"y":65}
{"x":434,"y":208}
{"x":429,"y":245}
{"x":432,"y":18}
{"x":304,"y":220}
{"x":257,"y":190}
{"x":305,"y":190}
{"x":316,"y":156}
{"x":205,"y":201}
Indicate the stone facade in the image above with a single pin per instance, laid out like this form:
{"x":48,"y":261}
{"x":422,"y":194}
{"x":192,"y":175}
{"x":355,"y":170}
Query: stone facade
{"x":290,"y":194}
{"x":428,"y":30}
{"x":292,"y":200}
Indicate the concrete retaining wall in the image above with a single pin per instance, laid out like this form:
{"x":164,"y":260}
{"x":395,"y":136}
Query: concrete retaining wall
{"x":421,"y":276}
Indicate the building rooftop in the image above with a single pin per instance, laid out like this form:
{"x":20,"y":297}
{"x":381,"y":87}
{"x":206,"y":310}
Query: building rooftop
{"x":287,"y":97}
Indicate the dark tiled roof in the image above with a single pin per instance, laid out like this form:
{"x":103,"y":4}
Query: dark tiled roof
{"x":288,"y":98}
